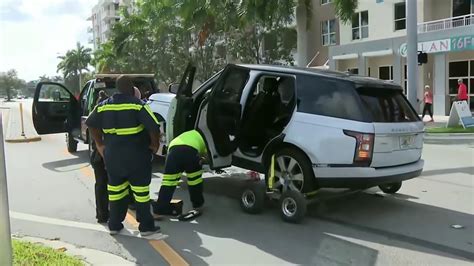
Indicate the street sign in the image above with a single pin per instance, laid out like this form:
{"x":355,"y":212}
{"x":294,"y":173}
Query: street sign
{"x":460,"y":114}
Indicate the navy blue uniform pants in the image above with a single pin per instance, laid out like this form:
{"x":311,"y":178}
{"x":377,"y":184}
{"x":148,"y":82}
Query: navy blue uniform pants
{"x":129,"y":167}
{"x":181,"y":159}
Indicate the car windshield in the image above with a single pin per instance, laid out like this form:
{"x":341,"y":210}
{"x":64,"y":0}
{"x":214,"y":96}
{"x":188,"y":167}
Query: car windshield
{"x":386,"y":106}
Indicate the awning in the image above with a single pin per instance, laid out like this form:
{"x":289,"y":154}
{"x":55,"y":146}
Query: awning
{"x":378,"y":53}
{"x":345,"y":56}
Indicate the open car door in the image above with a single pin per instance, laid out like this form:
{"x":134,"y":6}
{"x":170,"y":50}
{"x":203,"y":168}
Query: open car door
{"x":180,"y":110}
{"x":54,"y":108}
{"x":220,"y":117}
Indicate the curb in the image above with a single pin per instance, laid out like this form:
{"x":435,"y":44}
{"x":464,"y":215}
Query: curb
{"x":21,"y":139}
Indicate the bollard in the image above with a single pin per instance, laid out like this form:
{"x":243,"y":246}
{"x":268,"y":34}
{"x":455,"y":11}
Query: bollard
{"x":5,"y":234}
{"x":21,"y":119}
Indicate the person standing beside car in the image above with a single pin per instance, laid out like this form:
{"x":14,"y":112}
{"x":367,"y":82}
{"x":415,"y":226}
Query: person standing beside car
{"x":126,"y":133}
{"x":100,"y":173}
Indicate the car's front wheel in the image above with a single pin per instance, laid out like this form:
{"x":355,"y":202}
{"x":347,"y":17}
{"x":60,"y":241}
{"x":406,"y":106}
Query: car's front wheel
{"x":292,"y":170}
{"x":391,"y":188}
{"x":71,"y":143}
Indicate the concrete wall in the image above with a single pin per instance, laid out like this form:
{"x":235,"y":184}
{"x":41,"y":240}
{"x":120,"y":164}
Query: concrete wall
{"x":320,"y":13}
{"x":344,"y":65}
{"x":379,"y":14}
{"x":436,"y":9}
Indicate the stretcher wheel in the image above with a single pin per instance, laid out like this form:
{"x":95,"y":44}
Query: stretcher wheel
{"x":292,"y":206}
{"x":252,"y":199}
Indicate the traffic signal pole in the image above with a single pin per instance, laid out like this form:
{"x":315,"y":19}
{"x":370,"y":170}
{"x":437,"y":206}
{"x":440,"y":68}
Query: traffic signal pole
{"x":412,"y":51}
{"x":5,"y":235}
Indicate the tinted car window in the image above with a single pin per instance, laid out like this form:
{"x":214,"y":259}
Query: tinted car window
{"x":387,"y":106}
{"x":328,"y":97}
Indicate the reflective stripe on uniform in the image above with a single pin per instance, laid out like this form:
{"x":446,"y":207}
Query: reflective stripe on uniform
{"x":141,"y":199}
{"x":195,"y":174}
{"x":170,"y":183}
{"x":119,"y":187}
{"x":119,"y":107}
{"x":148,"y":109}
{"x":141,"y":189}
{"x":116,"y":197}
{"x":195,"y":182}
{"x":124,"y":131}
{"x":171,"y":177}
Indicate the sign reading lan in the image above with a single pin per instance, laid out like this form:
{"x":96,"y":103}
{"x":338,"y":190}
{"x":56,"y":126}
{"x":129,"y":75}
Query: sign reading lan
{"x":458,"y":43}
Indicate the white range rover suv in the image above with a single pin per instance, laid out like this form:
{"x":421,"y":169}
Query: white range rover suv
{"x":318,"y":128}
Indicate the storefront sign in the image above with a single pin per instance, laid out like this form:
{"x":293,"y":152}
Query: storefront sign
{"x":460,"y":114}
{"x":459,"y":43}
{"x":462,"y":43}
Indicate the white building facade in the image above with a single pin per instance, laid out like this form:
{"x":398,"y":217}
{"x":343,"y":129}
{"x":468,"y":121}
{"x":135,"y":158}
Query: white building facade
{"x":104,"y":15}
{"x":374,"y":44}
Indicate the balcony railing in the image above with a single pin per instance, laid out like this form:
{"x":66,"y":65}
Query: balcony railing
{"x":445,"y":24}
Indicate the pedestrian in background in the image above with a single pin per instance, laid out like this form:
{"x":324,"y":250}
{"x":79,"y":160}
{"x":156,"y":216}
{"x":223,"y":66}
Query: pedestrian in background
{"x":462,"y":91}
{"x":126,"y":134}
{"x":428,"y":103}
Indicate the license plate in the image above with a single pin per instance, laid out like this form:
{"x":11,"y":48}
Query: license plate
{"x":407,"y":142}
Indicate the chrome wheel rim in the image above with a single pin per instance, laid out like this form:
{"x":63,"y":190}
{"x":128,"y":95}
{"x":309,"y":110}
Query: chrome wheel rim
{"x":248,"y":198}
{"x":289,"y":207}
{"x":288,"y":174}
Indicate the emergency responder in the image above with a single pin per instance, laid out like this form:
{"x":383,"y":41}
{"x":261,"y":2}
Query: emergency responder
{"x":97,"y":163}
{"x":119,"y":128}
{"x":185,"y":154}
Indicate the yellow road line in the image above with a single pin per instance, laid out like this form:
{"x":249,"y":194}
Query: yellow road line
{"x":165,"y":250}
{"x":168,"y":253}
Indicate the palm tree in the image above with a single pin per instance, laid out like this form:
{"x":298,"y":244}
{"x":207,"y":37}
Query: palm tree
{"x":75,"y":61}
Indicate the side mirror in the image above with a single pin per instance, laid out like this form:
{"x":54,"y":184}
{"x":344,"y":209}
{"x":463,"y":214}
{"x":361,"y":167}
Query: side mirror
{"x":173,"y":88}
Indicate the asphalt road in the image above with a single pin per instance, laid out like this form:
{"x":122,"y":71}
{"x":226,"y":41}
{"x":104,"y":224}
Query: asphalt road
{"x":367,"y":228}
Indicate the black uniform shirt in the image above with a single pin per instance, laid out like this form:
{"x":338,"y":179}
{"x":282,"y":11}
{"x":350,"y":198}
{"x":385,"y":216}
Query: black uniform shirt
{"x":124,"y":120}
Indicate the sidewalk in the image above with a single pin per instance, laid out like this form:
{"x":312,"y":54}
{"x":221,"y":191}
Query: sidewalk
{"x":12,"y":123}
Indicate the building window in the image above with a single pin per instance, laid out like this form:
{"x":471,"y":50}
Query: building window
{"x":360,"y":25}
{"x":353,"y":71}
{"x":323,"y":2}
{"x":400,"y":16}
{"x":386,"y":73}
{"x":328,"y":30}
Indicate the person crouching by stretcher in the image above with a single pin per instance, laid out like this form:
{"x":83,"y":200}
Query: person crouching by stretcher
{"x":185,"y":155}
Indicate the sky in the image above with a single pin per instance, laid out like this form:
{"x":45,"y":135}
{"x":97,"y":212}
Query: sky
{"x":33,"y":33}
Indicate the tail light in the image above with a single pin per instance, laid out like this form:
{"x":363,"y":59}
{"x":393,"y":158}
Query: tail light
{"x":364,"y":147}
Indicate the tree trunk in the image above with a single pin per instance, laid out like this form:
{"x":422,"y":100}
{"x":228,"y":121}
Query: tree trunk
{"x":80,"y":81}
{"x":9,"y":93}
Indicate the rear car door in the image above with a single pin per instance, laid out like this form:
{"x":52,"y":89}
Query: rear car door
{"x":55,"y":109}
{"x":180,"y":110}
{"x":221,"y":116}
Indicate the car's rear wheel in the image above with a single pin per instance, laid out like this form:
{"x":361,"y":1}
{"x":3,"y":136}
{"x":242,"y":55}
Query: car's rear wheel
{"x":391,"y":188}
{"x":71,"y":143}
{"x":292,"y":171}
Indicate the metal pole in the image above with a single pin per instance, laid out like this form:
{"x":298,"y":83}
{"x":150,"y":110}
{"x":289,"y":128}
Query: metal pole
{"x":412,"y":51}
{"x":21,"y":119}
{"x":5,"y":235}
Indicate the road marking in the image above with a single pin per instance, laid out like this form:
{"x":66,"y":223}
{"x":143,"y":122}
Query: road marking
{"x":168,"y":253}
{"x":80,"y":225}
{"x":163,"y":248}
